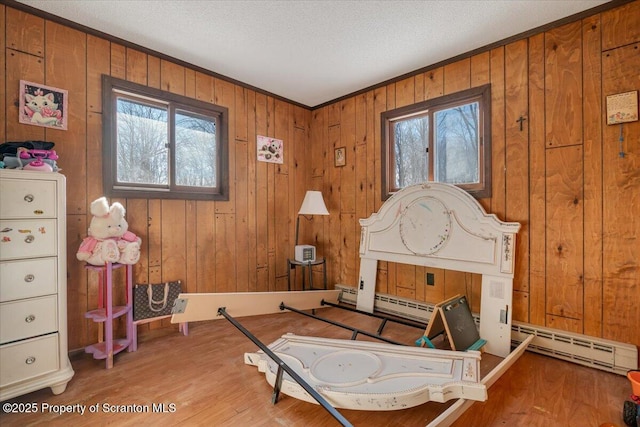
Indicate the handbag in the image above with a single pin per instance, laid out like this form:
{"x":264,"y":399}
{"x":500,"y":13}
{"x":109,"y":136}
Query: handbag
{"x":154,"y":300}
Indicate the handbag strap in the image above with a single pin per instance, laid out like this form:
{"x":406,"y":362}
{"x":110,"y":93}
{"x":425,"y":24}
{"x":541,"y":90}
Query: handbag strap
{"x":163,"y":301}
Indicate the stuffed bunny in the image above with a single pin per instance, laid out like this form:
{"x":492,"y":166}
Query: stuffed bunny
{"x":109,"y":237}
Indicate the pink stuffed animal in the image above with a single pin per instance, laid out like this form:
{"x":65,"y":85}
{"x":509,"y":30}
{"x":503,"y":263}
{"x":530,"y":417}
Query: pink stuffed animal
{"x":109,"y":237}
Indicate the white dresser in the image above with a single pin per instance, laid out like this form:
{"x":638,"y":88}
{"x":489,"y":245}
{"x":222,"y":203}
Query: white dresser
{"x":33,"y":283}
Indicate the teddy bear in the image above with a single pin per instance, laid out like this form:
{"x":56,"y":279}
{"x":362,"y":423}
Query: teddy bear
{"x":109,"y":238}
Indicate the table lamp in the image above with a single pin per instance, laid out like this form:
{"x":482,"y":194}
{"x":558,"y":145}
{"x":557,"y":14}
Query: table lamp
{"x":313,"y":204}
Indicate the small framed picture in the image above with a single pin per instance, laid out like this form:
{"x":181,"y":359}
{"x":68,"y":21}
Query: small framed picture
{"x":42,"y":105}
{"x":270,"y":150}
{"x":340,"y":157}
{"x":622,"y":107}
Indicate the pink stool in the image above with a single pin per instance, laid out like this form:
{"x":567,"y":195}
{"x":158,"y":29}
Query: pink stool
{"x":107,"y":347}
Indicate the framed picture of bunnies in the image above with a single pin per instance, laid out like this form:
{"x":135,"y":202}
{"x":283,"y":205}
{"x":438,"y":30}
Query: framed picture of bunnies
{"x":42,"y":105}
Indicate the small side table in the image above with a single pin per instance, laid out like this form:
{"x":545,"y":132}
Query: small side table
{"x":107,"y":312}
{"x":292,"y":264}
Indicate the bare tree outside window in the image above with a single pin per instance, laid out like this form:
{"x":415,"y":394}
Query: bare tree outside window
{"x":446,"y":139}
{"x":411,"y":151}
{"x":142,"y":143}
{"x":195,"y":151}
{"x":161,"y":145}
{"x":457,"y":144}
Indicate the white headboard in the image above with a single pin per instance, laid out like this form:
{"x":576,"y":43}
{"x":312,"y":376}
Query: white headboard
{"x":442,"y":226}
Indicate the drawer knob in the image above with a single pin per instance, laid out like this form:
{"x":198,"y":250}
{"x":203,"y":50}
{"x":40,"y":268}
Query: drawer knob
{"x":30,"y":318}
{"x":29,"y":238}
{"x":30,"y":360}
{"x":29,"y":278}
{"x":29,"y":198}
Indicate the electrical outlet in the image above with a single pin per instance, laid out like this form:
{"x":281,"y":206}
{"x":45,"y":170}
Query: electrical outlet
{"x":430,"y":279}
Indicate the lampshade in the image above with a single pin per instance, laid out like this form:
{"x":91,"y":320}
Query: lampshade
{"x":313,"y":204}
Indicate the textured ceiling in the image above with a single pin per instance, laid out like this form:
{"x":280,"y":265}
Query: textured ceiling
{"x":310,"y":51}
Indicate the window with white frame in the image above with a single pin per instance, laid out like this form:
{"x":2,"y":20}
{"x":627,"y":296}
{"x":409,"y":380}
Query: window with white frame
{"x":445,"y":139}
{"x":157,"y":144}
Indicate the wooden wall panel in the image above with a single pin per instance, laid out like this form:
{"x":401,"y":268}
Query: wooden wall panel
{"x":271,"y":199}
{"x":189,"y":83}
{"x":242,"y":187}
{"x":379,"y":106}
{"x":457,"y":76}
{"x":65,"y":67}
{"x":564,"y":204}
{"x":392,"y":279}
{"x":154,"y":233}
{"x":621,"y":26}
{"x":191,"y":247}
{"x":315,"y":149}
{"x":498,"y":184}
{"x":405,"y":275}
{"x":118,"y":61}
{"x":564,"y":324}
{"x":434,"y":293}
{"x":79,"y":297}
{"x":173,"y":240}
{"x":93,"y":184}
{"x":137,"y":216}
{"x":592,"y":110}
{"x":261,"y":198}
{"x":225,"y":96}
{"x":241,"y":113}
{"x":480,"y":69}
{"x":405,"y":92}
{"x":251,"y":178}
{"x":434,"y":83}
{"x":136,"y":66}
{"x":21,"y":66}
{"x":153,"y":71}
{"x":517,"y":157}
{"x":205,"y":88}
{"x":621,"y":201}
{"x":207,"y":251}
{"x":332,"y":200}
{"x":225,"y":250}
{"x":455,"y":283}
{"x":172,"y":78}
{"x":348,"y":262}
{"x":25,"y":32}
{"x":537,"y":226}
{"x":563,"y":85}
{"x":3,"y":76}
{"x":418,"y":91}
{"x":371,"y":154}
{"x":348,"y":141}
{"x":284,"y":200}
{"x":98,"y":63}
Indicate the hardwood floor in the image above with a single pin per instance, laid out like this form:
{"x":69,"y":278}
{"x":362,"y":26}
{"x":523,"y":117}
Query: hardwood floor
{"x":202,"y":380}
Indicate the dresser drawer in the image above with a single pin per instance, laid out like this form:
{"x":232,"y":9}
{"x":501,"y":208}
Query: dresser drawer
{"x":27,"y":238}
{"x":22,"y":198}
{"x":28,"y":278}
{"x":28,"y":318}
{"x":28,"y":359}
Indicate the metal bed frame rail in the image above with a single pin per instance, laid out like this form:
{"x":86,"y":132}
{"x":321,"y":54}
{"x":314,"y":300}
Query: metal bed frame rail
{"x":282,"y":366}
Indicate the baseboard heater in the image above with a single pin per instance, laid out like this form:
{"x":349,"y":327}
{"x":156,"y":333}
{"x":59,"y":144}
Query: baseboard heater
{"x":598,"y":353}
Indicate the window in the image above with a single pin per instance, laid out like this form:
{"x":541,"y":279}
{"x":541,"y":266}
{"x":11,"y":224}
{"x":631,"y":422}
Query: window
{"x":446,"y":139}
{"x":161,"y":145}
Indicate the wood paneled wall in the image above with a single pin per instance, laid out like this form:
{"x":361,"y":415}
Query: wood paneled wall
{"x":232,"y":246}
{"x":561,"y":177}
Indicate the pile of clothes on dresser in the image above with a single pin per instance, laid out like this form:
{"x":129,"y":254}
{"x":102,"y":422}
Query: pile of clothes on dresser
{"x":29,"y":155}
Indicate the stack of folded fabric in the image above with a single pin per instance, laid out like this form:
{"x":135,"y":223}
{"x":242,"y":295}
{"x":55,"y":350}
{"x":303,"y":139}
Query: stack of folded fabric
{"x":33,"y":155}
